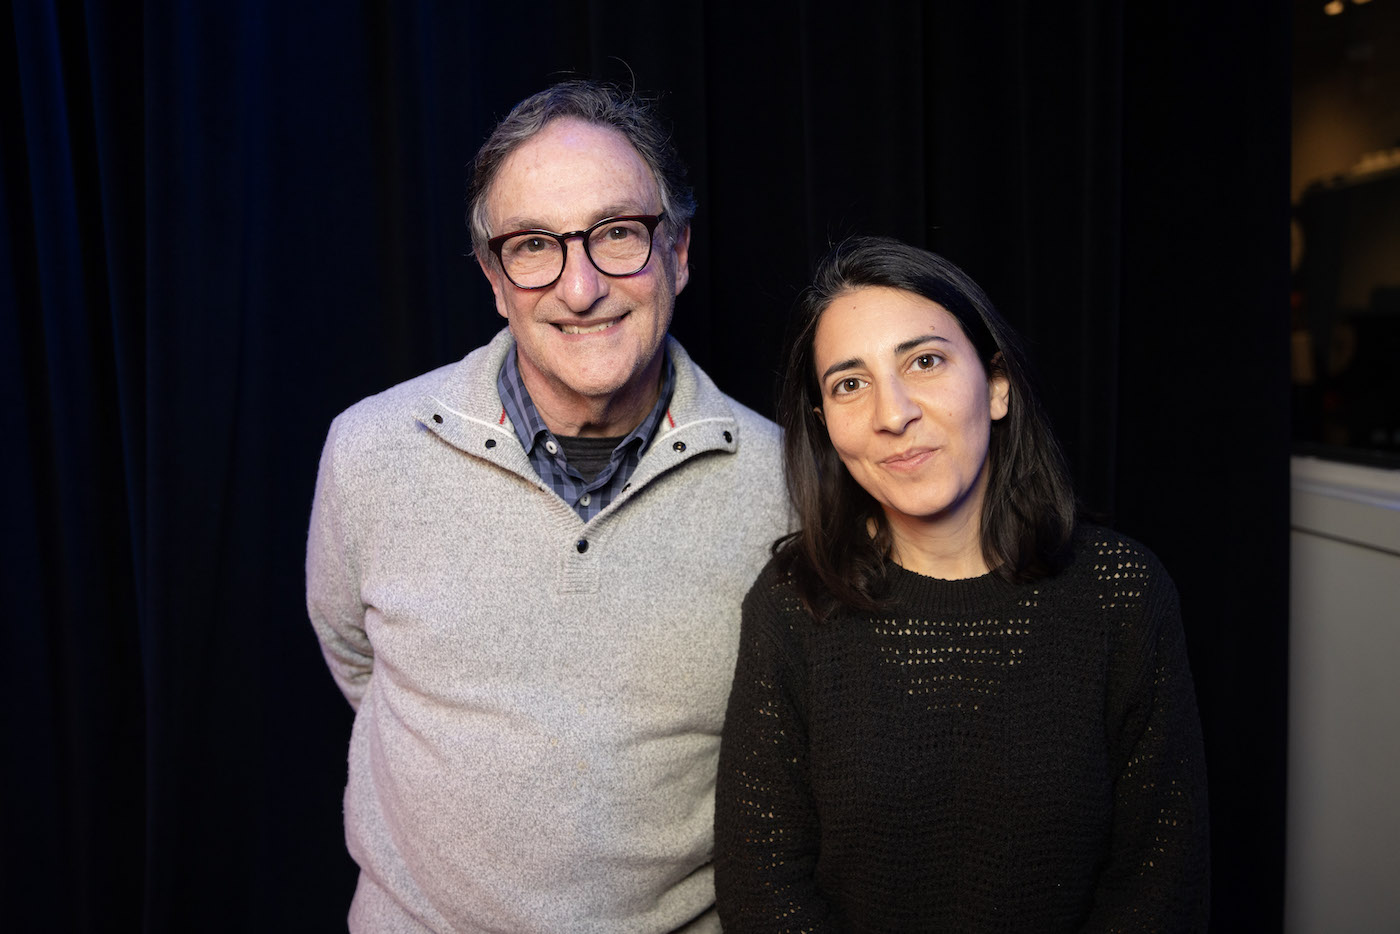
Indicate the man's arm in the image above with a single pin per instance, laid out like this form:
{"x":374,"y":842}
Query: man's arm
{"x":766,"y":830}
{"x":332,"y":584}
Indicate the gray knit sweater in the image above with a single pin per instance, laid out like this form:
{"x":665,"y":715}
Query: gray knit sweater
{"x":538,"y":701}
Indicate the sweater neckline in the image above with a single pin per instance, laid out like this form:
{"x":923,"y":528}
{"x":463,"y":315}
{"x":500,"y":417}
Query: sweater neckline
{"x":912,"y":589}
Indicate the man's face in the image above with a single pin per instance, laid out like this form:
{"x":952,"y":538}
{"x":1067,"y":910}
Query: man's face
{"x":588,"y":336}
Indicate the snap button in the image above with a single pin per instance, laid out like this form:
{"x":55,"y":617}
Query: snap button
{"x":728,"y":438}
{"x":678,"y":446}
{"x":582,"y":545}
{"x":437,"y":418}
{"x":490,"y":442}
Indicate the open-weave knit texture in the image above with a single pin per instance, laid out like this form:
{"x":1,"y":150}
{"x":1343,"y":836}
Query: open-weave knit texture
{"x":978,"y":756}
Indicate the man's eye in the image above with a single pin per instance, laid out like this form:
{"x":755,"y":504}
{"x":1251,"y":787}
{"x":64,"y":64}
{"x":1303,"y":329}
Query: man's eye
{"x":533,"y":244}
{"x":620,"y":233}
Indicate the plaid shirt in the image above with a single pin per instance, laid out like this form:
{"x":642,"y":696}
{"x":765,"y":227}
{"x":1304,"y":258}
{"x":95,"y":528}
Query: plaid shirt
{"x":547,"y":454}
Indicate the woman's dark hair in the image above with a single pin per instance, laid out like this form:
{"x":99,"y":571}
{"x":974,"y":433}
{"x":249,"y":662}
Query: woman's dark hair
{"x":1029,"y":510}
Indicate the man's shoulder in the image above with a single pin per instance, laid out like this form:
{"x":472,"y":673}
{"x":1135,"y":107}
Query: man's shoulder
{"x":754,"y":424}
{"x":401,"y":394}
{"x":760,"y":440}
{"x":698,"y":397}
{"x":466,"y":384}
{"x":374,"y":419}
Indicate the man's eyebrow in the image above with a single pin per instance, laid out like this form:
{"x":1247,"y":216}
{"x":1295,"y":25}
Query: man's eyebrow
{"x":533,"y":223}
{"x":902,"y":347}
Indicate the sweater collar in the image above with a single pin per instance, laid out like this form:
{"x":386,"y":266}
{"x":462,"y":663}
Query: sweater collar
{"x":464,"y":407}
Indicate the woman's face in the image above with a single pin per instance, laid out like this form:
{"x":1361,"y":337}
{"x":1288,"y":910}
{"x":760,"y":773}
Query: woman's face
{"x":909,"y":408}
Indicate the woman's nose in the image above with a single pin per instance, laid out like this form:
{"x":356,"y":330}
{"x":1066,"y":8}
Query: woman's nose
{"x":895,"y":408}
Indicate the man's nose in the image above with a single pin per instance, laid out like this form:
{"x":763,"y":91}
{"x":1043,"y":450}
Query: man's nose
{"x":895,"y":409}
{"x":580,"y":285}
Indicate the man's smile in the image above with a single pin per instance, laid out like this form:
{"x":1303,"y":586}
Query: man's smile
{"x":589,"y":328}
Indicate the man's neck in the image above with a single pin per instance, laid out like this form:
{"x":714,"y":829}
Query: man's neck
{"x":565,"y":412}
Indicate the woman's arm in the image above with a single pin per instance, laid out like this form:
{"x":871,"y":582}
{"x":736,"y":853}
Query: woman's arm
{"x":766,"y":831}
{"x":1157,"y":877}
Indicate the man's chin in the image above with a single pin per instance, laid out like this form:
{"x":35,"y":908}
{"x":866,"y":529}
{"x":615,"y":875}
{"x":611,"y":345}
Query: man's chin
{"x":598,"y":388}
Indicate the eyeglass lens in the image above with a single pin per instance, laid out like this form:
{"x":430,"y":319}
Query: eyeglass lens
{"x":616,"y":247}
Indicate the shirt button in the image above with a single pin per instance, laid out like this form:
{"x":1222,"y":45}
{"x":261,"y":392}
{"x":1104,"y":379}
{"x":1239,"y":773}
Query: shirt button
{"x":581,"y":545}
{"x":585,"y":499}
{"x":551,"y":447}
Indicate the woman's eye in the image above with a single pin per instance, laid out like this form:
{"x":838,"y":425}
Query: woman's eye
{"x":849,"y":384}
{"x":927,"y":361}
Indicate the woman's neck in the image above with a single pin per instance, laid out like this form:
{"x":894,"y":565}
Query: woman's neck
{"x":947,"y":550}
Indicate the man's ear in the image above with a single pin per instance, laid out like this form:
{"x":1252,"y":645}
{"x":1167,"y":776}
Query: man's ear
{"x":681,"y":247}
{"x":498,"y":284}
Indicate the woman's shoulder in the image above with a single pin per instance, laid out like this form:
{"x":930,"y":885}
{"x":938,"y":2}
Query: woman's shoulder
{"x":1107,"y":552}
{"x":1121,"y":576}
{"x":775,"y":589}
{"x":774,"y":603}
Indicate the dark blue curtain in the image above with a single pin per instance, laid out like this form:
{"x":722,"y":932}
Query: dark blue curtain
{"x":221,"y":224}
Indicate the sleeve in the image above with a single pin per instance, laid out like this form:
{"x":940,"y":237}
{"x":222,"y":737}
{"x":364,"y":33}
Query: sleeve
{"x":766,"y":831}
{"x":332,"y":584}
{"x":1157,"y":876}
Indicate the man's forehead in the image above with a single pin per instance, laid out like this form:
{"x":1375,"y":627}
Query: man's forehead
{"x":569,"y":172}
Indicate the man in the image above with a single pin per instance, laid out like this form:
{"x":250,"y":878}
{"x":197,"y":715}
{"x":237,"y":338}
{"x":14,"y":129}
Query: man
{"x":526,"y":568}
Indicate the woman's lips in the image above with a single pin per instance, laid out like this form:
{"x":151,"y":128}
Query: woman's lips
{"x":910,"y":459}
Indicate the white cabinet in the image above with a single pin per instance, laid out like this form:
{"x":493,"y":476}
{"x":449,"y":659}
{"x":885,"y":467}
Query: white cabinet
{"x":1343,"y":859}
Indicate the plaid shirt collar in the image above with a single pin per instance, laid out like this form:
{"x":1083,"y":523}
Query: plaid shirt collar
{"x":547,"y":455}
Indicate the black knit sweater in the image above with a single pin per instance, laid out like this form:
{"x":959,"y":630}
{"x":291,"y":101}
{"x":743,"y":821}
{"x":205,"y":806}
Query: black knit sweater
{"x":979,"y":756}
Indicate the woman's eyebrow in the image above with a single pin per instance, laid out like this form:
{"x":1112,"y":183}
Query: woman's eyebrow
{"x":900,"y":348}
{"x":904,"y":347}
{"x":851,"y":364}
{"x":916,"y":341}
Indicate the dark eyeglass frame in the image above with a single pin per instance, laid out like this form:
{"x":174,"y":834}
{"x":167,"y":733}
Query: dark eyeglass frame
{"x":649,"y":221}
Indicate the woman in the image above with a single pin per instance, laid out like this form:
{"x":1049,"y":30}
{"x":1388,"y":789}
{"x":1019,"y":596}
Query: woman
{"x":954,"y":708}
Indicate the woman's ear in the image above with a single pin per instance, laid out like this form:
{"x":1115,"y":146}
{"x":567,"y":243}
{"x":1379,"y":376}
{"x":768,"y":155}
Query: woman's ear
{"x":998,"y":388}
{"x":821,"y":416}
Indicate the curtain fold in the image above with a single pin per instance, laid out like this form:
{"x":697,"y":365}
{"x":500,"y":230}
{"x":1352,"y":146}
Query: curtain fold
{"x":75,"y":772}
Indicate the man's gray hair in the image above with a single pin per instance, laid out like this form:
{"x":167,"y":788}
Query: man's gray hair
{"x":593,"y":102}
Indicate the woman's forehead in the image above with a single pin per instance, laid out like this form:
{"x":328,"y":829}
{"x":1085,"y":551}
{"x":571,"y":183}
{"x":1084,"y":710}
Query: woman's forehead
{"x":880,"y":318}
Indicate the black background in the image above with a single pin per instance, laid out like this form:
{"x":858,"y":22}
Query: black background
{"x":222,"y":224}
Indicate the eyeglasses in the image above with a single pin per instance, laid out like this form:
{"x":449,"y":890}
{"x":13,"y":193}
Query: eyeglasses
{"x":616,"y":246}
